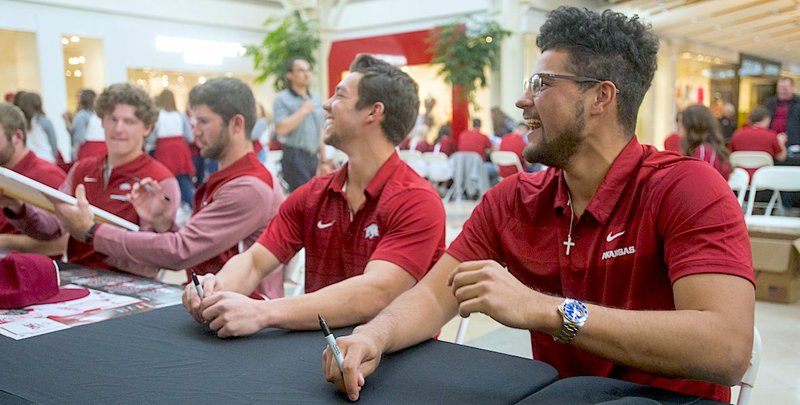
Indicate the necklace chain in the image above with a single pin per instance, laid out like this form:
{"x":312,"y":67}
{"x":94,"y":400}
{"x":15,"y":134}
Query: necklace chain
{"x":569,"y":243}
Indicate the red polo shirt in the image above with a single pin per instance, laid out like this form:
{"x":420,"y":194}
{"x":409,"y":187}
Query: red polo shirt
{"x":512,"y":143}
{"x":38,"y":169}
{"x":401,"y":221}
{"x":474,"y":141}
{"x":655,"y":218}
{"x":756,"y":140}
{"x":673,"y":143}
{"x":89,"y":172}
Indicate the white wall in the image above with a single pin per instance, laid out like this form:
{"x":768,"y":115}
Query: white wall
{"x":128,"y":31}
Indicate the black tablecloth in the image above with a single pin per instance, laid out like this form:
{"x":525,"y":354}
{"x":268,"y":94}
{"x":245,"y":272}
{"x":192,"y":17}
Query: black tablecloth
{"x":163,"y":356}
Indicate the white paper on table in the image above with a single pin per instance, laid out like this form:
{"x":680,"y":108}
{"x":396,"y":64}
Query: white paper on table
{"x":25,"y":328}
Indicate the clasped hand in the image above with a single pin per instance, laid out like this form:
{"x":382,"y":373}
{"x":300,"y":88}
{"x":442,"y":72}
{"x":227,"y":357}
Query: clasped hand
{"x":228,"y":313}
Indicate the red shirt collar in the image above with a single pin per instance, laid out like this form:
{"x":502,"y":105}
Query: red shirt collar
{"x":375,"y":185}
{"x":616,"y":180}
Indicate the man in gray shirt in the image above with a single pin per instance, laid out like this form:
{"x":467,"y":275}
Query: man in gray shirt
{"x":299,"y":122}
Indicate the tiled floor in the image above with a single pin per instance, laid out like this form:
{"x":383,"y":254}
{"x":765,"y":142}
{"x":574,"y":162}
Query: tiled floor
{"x":778,"y":380}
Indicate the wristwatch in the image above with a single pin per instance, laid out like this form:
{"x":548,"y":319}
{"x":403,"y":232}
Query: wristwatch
{"x":90,"y":234}
{"x":574,"y":315}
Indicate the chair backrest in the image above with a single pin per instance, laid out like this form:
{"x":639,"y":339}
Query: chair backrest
{"x":506,"y":158}
{"x":439,"y":168}
{"x":739,"y":180}
{"x":749,"y":377}
{"x":339,"y":158}
{"x":776,"y":178}
{"x":274,"y":155}
{"x":750,"y":160}
{"x":413,"y":158}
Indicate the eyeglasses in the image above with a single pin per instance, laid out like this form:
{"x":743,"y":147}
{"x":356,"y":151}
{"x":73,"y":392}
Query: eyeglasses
{"x":535,"y":84}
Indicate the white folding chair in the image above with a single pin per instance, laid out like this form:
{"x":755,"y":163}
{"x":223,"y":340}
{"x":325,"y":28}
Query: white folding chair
{"x":750,"y":160}
{"x":438,"y":168}
{"x":749,"y":378}
{"x":274,"y":161}
{"x":414,"y":159}
{"x":777,"y":179}
{"x":339,"y":158}
{"x":506,"y":158}
{"x":739,"y":181}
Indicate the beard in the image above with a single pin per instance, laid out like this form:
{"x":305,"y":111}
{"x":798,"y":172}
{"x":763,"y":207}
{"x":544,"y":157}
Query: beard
{"x":7,"y":154}
{"x":215,"y":150}
{"x":558,"y":151}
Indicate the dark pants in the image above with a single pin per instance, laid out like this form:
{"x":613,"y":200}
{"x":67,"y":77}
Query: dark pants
{"x":298,"y":166}
{"x":187,"y":188}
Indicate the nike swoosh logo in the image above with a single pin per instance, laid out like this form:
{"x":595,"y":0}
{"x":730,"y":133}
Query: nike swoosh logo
{"x":611,"y":237}
{"x":90,"y":180}
{"x":320,"y":225}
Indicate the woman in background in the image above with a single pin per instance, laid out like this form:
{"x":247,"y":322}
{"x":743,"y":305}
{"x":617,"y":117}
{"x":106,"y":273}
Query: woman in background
{"x":173,"y":134}
{"x":41,"y":137}
{"x":86,"y":129}
{"x":701,"y":138}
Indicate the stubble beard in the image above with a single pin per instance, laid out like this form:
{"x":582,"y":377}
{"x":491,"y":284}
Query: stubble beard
{"x":558,"y":151}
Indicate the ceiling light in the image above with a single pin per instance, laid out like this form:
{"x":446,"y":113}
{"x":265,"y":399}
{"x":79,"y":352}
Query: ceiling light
{"x":75,"y":38}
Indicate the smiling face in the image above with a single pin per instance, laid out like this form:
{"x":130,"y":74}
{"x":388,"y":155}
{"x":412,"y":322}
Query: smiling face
{"x":554,"y":116}
{"x":211,"y":134}
{"x":341,"y":115}
{"x":125,"y":133}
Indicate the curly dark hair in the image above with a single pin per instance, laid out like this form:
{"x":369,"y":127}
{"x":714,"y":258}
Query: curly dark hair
{"x":128,"y":94}
{"x":608,"y":46}
{"x":395,"y":89}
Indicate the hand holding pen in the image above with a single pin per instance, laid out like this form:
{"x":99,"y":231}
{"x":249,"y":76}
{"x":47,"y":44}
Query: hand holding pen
{"x":146,"y":184}
{"x":331,"y":340}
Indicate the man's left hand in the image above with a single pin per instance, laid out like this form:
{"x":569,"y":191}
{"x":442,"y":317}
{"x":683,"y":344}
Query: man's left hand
{"x":77,"y":218}
{"x":487,"y":287}
{"x":232,"y":314}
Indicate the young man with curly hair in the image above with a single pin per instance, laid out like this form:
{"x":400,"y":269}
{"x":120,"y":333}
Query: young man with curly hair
{"x":622,"y":261}
{"x":128,"y":116}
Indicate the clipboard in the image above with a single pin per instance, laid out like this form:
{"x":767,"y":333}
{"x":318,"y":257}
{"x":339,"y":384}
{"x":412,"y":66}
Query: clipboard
{"x":31,"y":191}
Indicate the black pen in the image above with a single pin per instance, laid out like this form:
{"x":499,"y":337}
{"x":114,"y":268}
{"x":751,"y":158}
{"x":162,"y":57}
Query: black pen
{"x":148,"y":187}
{"x":337,"y":354}
{"x":197,"y":286}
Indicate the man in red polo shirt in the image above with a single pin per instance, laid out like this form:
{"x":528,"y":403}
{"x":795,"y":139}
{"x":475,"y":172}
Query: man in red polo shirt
{"x":513,"y":141}
{"x":474,"y":140}
{"x":757,"y":137}
{"x":636,"y":262}
{"x":16,"y":156}
{"x":371,"y":229}
{"x":128,"y":116}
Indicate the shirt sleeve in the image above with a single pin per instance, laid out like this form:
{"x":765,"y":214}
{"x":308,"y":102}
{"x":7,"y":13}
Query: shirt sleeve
{"x":237,"y":210}
{"x":416,"y":229}
{"x":79,"y":126}
{"x":280,"y":110}
{"x":47,"y":126}
{"x":703,"y":232}
{"x":478,"y":239}
{"x":284,"y":235}
{"x":38,"y":223}
{"x":188,"y":135}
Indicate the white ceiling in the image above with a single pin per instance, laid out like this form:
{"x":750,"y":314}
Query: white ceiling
{"x":765,"y":28}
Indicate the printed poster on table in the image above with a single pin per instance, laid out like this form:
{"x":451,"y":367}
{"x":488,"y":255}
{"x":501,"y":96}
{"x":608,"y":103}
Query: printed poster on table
{"x":111,"y":295}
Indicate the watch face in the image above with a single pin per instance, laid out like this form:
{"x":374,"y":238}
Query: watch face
{"x":575,"y":311}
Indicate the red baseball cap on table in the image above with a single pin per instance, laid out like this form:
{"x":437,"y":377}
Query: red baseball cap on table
{"x":32,"y":279}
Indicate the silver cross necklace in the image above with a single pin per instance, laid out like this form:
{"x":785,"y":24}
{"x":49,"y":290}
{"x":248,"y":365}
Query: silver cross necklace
{"x":569,"y":243}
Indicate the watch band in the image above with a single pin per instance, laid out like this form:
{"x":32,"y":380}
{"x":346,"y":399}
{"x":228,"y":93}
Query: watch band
{"x":573,"y":314}
{"x":90,"y":233}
